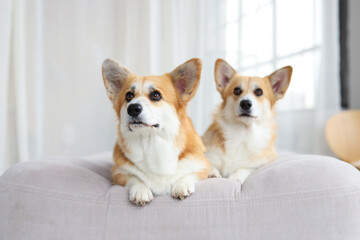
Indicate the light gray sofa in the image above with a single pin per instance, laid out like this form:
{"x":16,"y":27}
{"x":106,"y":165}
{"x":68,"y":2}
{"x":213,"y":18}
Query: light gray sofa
{"x":296,"y":197}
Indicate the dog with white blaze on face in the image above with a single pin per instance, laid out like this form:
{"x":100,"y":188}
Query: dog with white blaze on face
{"x":158,"y":150}
{"x":242,"y":135}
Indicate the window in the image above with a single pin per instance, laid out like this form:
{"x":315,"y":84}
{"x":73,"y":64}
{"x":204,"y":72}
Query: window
{"x":264,"y":35}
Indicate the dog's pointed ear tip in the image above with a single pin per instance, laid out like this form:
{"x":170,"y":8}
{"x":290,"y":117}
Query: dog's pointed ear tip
{"x":289,"y":68}
{"x":108,"y":61}
{"x":223,"y":63}
{"x":219,"y":61}
{"x":196,"y":61}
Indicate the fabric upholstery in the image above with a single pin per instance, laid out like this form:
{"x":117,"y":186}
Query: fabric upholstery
{"x":296,"y":197}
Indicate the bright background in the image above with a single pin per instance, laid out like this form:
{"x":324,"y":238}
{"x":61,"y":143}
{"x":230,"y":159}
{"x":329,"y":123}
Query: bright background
{"x":52,"y":98}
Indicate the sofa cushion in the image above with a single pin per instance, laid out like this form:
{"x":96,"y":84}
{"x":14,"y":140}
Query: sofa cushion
{"x":295,"y":197}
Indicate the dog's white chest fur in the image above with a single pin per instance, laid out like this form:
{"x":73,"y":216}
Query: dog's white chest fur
{"x":156,"y":163}
{"x":156,"y":160}
{"x":154,"y":154}
{"x":243,"y":147}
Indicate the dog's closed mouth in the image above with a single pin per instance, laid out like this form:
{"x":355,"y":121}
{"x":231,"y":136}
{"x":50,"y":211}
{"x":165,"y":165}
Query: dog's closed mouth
{"x":246,"y":115}
{"x":140,"y":124}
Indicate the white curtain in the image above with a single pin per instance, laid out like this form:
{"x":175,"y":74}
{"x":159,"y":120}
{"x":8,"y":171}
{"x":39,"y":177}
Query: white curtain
{"x":303,"y":131}
{"x":52,"y":98}
{"x":20,"y":82}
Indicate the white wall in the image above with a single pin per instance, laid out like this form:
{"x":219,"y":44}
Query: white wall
{"x":354,"y":53}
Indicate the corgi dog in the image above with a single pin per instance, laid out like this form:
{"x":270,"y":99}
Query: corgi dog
{"x":242,"y":135}
{"x":157,"y":150}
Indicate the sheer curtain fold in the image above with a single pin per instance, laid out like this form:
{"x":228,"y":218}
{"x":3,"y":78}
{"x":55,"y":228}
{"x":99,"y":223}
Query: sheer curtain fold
{"x":328,"y":87}
{"x":304,"y":130}
{"x":18,"y":70}
{"x":52,"y":98}
{"x":14,"y":124}
{"x":5,"y":43}
{"x":21,"y":82}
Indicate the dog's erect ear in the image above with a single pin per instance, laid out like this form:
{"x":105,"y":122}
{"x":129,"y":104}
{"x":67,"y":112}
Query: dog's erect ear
{"x":186,"y":78}
{"x":114,"y":75}
{"x":280,"y":80}
{"x":223,"y":73}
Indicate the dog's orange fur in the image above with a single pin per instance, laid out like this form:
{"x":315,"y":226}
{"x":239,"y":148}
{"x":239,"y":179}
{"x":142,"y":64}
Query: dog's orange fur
{"x":214,"y":135}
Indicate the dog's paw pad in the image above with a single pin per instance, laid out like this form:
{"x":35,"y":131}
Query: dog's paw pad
{"x":182,"y":190}
{"x":140,"y":195}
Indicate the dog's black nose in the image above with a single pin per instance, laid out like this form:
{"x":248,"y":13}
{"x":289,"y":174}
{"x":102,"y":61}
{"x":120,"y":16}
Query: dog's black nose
{"x":134,"y":109}
{"x":245,"y":105}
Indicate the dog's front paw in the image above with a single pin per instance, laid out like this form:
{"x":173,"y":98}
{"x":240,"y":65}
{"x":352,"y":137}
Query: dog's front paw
{"x":241,"y":174}
{"x":238,"y":178}
{"x":182,"y":189}
{"x":140,"y":195}
{"x":214,"y":173}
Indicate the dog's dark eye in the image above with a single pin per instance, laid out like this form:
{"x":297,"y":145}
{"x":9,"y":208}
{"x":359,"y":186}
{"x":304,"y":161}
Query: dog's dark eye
{"x":258,"y":92}
{"x":237,"y":91}
{"x":155,"y":96}
{"x":129,"y":96}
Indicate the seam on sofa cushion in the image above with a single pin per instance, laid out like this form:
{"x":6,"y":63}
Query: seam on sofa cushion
{"x":244,"y":196}
{"x":272,"y":165}
{"x":208,"y":202}
{"x":310,"y":191}
{"x":47,"y":191}
{"x":205,"y":204}
{"x":76,"y":164}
